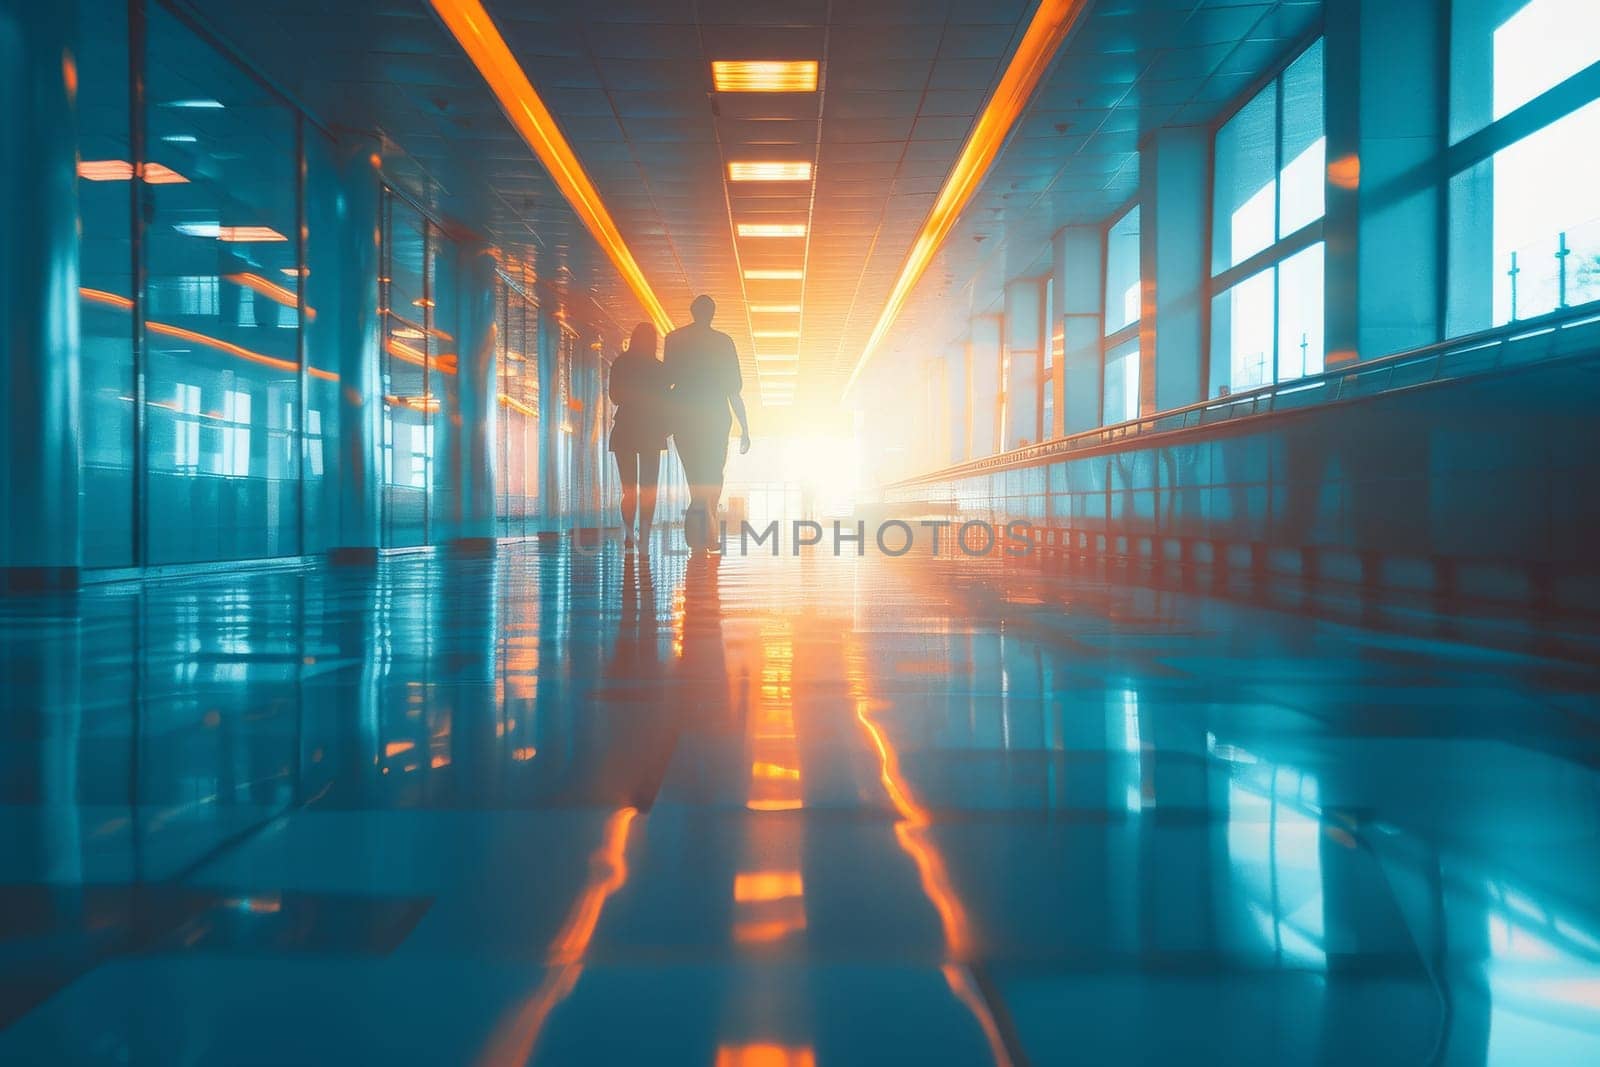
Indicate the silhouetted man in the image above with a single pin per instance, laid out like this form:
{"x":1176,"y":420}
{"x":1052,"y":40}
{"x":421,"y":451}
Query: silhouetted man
{"x":702,"y":368}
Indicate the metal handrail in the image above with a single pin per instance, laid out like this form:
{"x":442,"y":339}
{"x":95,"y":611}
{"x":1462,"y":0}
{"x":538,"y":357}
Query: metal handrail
{"x":1263,"y":400}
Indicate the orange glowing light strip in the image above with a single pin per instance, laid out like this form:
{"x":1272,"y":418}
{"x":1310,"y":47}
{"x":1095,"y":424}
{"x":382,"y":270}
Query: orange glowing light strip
{"x":270,"y":290}
{"x":516,"y":405}
{"x":99,"y":296}
{"x":472,"y":27}
{"x":1032,"y":58}
{"x":514,"y":1039}
{"x":785,"y":275}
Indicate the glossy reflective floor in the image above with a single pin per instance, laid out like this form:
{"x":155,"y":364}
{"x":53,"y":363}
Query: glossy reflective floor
{"x":557,"y":809}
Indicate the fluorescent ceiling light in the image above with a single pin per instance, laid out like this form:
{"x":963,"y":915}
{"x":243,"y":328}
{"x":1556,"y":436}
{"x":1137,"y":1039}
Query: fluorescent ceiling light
{"x":778,"y":372}
{"x":180,"y":138}
{"x":204,"y":103}
{"x":475,"y":31}
{"x":249,"y":234}
{"x":1052,"y":19}
{"x":774,"y":309}
{"x":768,"y":171}
{"x":120,"y":170}
{"x":198,"y":229}
{"x":772,"y":229}
{"x":775,"y":333}
{"x":774,"y":275}
{"x":764,"y":75}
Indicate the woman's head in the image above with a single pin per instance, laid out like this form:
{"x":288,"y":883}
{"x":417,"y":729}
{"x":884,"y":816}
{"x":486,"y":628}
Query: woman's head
{"x":643,"y":341}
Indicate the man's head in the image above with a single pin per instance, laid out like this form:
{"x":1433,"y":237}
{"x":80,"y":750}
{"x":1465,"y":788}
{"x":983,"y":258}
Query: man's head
{"x":703,"y":309}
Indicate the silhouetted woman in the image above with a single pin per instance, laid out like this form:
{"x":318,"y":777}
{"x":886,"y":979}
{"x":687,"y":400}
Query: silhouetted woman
{"x":638,"y":388}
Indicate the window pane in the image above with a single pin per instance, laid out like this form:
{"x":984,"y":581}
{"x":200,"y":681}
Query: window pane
{"x":106,"y":284}
{"x":325,"y":205}
{"x":1300,"y":318}
{"x":408,"y":405}
{"x":222,"y":329}
{"x":1511,"y":217}
{"x":1243,"y":209}
{"x":1122,"y":272}
{"x":1122,"y":384}
{"x":1504,"y":53}
{"x":1242,"y":332}
{"x":1304,"y":146}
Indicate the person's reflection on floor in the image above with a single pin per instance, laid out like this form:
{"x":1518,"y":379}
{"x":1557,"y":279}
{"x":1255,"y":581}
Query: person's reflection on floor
{"x":636,"y":653}
{"x":629,"y":734}
{"x":702,"y":661}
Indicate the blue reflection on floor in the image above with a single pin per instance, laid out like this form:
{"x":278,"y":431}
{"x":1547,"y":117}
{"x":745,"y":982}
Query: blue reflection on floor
{"x":559,"y":808}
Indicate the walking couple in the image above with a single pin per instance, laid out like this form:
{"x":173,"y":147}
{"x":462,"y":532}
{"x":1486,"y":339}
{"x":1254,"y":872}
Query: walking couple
{"x":688,"y":394}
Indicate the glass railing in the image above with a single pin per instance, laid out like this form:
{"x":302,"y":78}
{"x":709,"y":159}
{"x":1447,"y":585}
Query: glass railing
{"x":1566,"y":333}
{"x":1553,"y":273}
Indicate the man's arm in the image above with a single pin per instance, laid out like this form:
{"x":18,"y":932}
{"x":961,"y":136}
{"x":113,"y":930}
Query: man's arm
{"x":736,"y":398}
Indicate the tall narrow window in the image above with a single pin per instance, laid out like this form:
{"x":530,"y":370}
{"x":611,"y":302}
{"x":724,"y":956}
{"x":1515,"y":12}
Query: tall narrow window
{"x":1123,"y":306}
{"x":1267,"y":307}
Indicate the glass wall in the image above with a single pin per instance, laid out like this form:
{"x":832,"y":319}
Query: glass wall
{"x":105,"y":203}
{"x":221,"y":341}
{"x":1267,"y":310}
{"x":1525,"y":207}
{"x":409,"y":340}
{"x":324,"y":218}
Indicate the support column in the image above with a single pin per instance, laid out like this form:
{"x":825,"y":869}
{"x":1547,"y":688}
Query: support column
{"x":1384,"y":73}
{"x":40,"y":462}
{"x":552,"y":414}
{"x":468,"y":512}
{"x":347,"y":292}
{"x":1024,"y":339}
{"x":1174,"y":244}
{"x":1078,"y":258}
{"x":983,"y":365}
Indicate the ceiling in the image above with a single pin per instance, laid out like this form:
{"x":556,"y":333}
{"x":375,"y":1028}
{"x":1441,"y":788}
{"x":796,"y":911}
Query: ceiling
{"x":901,"y":84}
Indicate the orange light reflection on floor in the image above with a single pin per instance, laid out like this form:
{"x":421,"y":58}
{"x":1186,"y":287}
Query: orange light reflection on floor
{"x":766,"y":1056}
{"x":911,"y":834}
{"x":514,"y":1040}
{"x":767,"y":885}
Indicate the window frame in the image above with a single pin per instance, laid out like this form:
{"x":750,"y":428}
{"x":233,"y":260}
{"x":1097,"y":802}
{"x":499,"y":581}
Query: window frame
{"x":1283,"y":246}
{"x":1534,"y":115}
{"x":1128,"y":331}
